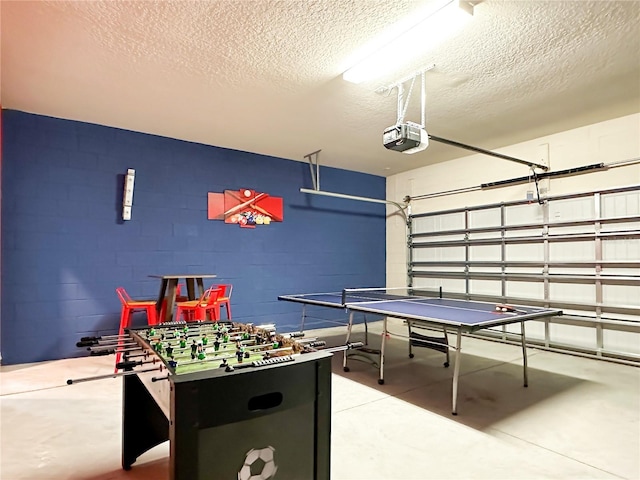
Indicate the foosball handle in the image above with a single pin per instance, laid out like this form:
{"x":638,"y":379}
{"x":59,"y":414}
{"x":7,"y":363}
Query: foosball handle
{"x":127,"y":366}
{"x":100,"y":353}
{"x":89,"y":339}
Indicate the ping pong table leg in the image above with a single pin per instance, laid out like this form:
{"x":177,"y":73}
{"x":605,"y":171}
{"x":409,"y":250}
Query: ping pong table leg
{"x":304,"y":312}
{"x":344,"y":353}
{"x":523,"y":339}
{"x":382,"y":344}
{"x":410,"y":344}
{"x":366,"y":329}
{"x":456,"y":373}
{"x":447,"y":363}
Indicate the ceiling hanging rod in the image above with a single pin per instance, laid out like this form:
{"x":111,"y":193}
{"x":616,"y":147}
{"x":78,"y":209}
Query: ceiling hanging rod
{"x":386,"y":89}
{"x":314,"y":165}
{"x":486,"y":152}
{"x":353,"y":197}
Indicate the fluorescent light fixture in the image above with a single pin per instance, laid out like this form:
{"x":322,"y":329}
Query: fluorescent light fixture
{"x":436,"y":25}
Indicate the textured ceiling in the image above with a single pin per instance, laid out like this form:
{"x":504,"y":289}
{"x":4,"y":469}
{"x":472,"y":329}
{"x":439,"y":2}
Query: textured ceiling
{"x":265,"y":76}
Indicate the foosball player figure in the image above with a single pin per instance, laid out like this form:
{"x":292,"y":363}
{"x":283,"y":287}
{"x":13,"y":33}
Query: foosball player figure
{"x":205,"y":340}
{"x":239,"y":352}
{"x":183,"y":341}
{"x":172,"y":363}
{"x":225,"y":338}
{"x":158,"y":346}
{"x":216,"y":344}
{"x":245,"y":336}
{"x":185,"y":329}
{"x":201,"y":354}
{"x":194,"y":349}
{"x":169,"y":351}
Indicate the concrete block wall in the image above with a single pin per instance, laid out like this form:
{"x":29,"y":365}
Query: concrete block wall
{"x":65,"y":247}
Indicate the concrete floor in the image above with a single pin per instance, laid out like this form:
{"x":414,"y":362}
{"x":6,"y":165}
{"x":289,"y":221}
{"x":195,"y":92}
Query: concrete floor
{"x":578,"y":419}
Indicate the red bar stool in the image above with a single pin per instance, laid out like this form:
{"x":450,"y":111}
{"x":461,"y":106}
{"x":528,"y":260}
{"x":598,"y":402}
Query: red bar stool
{"x":224,"y":298}
{"x":129,"y":306}
{"x":195,"y":310}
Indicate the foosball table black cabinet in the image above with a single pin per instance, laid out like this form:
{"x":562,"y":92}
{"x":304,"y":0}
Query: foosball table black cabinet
{"x":272,"y":421}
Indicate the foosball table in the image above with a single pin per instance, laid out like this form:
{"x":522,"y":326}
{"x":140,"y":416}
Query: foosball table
{"x":223,"y":394}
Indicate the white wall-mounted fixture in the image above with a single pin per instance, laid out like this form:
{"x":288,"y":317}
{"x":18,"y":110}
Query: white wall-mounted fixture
{"x":127,"y":197}
{"x":442,"y":20}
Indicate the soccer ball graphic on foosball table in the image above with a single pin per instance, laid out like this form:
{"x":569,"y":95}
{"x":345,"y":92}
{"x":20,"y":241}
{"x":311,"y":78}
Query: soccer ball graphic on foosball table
{"x":259,"y":464}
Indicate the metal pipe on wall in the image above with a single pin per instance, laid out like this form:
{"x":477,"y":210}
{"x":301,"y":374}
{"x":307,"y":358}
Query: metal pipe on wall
{"x":519,"y":180}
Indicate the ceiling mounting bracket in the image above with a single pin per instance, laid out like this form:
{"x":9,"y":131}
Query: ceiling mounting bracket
{"x":314,"y":166}
{"x":402,"y":109}
{"x":386,"y":89}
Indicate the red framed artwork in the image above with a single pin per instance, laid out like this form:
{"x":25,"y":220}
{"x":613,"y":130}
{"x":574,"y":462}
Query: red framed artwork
{"x":244,"y":207}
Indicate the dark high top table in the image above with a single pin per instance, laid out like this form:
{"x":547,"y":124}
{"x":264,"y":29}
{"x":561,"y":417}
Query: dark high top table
{"x":169,"y":287}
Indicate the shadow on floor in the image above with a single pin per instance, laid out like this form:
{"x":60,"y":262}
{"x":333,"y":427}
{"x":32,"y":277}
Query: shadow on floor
{"x":490,"y":389}
{"x":152,"y":470}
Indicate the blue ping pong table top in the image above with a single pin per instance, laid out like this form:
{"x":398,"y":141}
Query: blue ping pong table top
{"x":467,"y":313}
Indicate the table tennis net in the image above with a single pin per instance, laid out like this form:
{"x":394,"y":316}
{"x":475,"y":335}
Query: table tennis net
{"x":356,"y":295}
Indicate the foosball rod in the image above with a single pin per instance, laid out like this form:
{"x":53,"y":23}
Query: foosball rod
{"x":97,"y":348}
{"x":306,"y":340}
{"x":113,"y":351}
{"x":136,"y":355}
{"x":229,"y":346}
{"x":111,"y":375}
{"x":100,"y":337}
{"x":193,"y":331}
{"x":340,"y":348}
{"x":225,"y":357}
{"x":128,"y":365}
{"x":288,"y":358}
{"x":91,"y":341}
{"x":233,"y":335}
{"x":174,"y":343}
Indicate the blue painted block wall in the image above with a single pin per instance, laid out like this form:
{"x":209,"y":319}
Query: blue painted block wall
{"x":65,"y":248}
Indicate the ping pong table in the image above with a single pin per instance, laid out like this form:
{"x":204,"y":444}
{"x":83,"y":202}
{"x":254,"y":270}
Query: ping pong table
{"x":448,"y":315}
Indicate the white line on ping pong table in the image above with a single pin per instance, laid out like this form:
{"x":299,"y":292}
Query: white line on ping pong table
{"x":426,"y":301}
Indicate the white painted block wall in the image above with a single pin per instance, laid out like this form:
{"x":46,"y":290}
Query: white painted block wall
{"x":604,"y":142}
